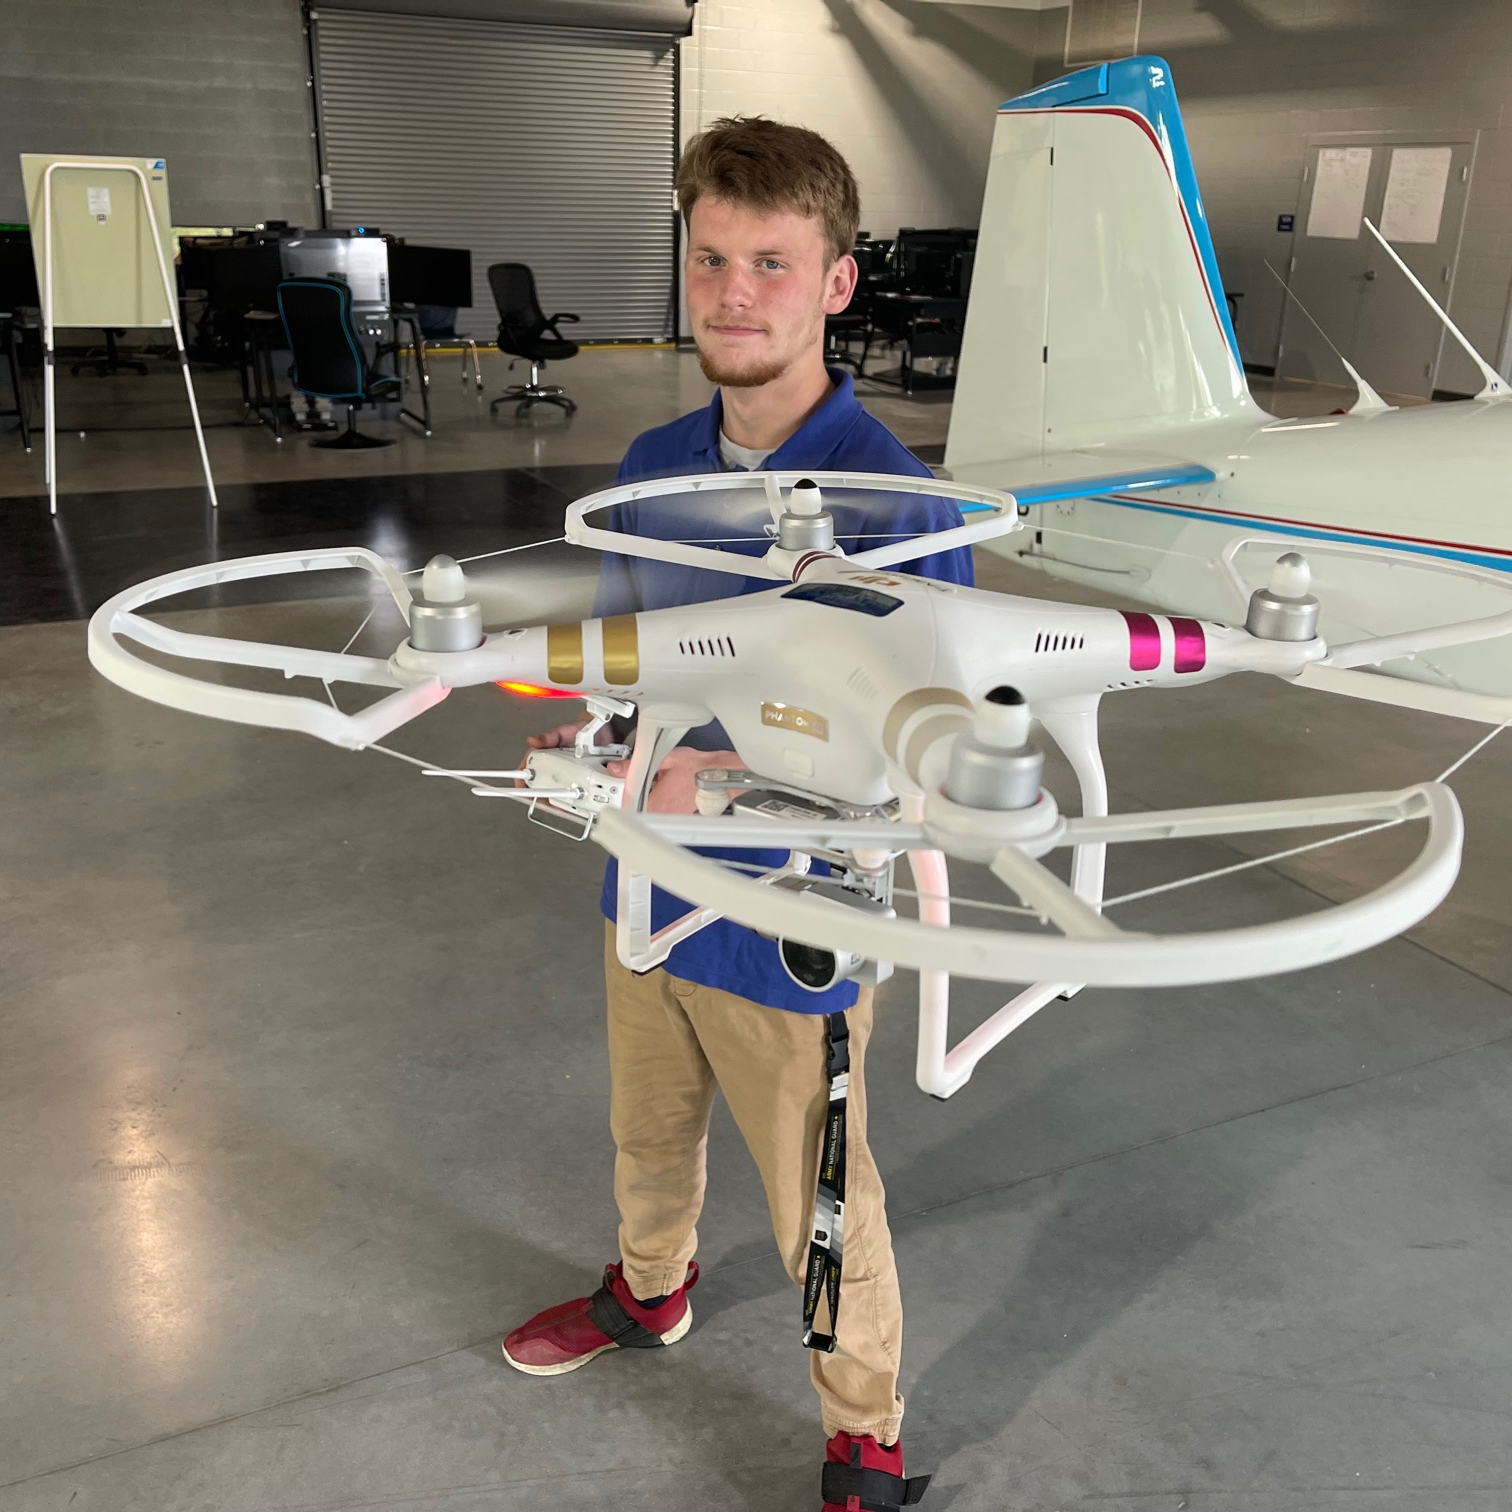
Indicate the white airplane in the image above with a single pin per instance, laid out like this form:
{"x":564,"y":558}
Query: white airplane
{"x":881,"y":716}
{"x":1100,"y":381}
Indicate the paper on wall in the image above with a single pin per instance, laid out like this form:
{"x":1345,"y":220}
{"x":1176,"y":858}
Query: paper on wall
{"x":1415,"y":190}
{"x":1338,"y":197}
{"x":99,"y":203}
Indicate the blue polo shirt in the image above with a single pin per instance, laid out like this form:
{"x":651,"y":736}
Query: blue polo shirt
{"x":838,"y":437}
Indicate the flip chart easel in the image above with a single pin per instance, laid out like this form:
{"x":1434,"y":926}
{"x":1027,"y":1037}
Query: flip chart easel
{"x":102,"y":262}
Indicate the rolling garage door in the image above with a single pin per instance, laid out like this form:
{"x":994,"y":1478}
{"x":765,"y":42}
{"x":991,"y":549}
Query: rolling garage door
{"x":551,"y":146}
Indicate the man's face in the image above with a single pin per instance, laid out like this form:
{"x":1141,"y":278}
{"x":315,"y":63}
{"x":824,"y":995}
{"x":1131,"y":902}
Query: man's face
{"x":758,"y":287}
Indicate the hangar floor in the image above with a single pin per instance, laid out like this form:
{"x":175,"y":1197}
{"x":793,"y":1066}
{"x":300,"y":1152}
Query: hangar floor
{"x":303,"y":1097}
{"x":137,"y":427}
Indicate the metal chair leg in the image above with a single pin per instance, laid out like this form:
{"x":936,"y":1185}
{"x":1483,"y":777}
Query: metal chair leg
{"x":524,"y":395}
{"x":15,"y":373}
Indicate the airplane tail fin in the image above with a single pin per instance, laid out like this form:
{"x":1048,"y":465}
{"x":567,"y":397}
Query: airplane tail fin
{"x":1097,"y":318}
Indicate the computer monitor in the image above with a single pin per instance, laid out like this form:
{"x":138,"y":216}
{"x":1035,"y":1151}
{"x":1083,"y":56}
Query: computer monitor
{"x":235,"y":278}
{"x":18,"y":272}
{"x":430,"y":275}
{"x":931,"y":262}
{"x":871,"y":258}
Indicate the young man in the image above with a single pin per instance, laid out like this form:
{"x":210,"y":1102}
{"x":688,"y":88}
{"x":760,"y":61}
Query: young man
{"x":771,"y":212}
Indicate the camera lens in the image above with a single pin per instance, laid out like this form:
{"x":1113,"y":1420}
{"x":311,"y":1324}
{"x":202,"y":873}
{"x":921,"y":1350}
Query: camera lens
{"x":808,"y":965}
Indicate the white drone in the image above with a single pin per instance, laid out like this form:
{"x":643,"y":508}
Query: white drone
{"x":878,"y":716}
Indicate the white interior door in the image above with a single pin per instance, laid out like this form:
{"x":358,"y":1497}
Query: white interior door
{"x":1415,"y":192}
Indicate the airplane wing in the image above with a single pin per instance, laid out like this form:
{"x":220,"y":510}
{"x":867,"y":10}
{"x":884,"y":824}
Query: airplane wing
{"x":1081,"y":475}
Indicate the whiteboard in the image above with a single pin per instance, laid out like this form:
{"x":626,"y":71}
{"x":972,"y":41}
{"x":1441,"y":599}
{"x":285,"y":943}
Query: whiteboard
{"x":105,"y":270}
{"x":1415,"y":190}
{"x":1338,"y":198}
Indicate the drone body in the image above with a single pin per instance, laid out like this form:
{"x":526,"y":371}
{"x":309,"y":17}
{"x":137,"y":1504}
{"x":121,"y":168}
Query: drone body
{"x":851,"y":676}
{"x":881,"y":718}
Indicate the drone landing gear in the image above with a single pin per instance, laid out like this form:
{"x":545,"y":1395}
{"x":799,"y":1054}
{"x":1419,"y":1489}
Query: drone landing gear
{"x":940,"y":1070}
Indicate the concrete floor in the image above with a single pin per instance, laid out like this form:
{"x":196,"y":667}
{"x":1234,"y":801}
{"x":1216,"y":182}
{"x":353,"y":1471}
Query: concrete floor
{"x":137,"y":428}
{"x":303,"y":1098}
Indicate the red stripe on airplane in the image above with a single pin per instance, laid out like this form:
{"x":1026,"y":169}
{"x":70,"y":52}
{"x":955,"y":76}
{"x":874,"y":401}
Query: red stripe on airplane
{"x":1149,"y":131}
{"x":1377,"y":535}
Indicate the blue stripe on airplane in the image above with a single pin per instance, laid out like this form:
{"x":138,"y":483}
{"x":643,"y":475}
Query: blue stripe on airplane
{"x":1176,"y":475}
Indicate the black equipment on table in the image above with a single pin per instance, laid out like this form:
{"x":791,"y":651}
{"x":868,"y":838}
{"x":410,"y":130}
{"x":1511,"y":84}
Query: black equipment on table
{"x":18,"y":273}
{"x":430,"y":275}
{"x":435,"y":282}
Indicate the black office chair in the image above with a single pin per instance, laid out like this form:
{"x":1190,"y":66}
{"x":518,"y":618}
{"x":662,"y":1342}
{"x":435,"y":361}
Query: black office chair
{"x":329,"y":359}
{"x":853,"y":323}
{"x":526,"y":334}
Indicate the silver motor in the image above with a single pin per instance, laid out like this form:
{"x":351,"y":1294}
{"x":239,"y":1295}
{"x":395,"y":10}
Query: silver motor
{"x":995,"y":766}
{"x":805,"y":525}
{"x":442,"y":616}
{"x":1285,"y":609}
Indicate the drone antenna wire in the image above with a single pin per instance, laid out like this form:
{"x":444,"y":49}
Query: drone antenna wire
{"x":436,"y":769}
{"x":484,"y":555}
{"x":1228,"y":871}
{"x":351,"y":641}
{"x":352,"y":638}
{"x":1474,"y":750}
{"x":1313,"y":845}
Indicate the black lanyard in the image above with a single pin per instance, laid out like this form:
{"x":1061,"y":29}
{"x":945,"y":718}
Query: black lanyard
{"x":827,"y":1237}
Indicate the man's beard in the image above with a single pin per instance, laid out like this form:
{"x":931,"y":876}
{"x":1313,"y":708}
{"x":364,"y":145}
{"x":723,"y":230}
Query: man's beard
{"x":740,"y":377}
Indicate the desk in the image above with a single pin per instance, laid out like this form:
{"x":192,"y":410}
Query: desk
{"x":926,"y":327}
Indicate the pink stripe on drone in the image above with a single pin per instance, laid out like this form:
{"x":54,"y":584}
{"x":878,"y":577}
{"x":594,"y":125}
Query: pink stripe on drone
{"x":1144,"y":641}
{"x":1191,"y":645}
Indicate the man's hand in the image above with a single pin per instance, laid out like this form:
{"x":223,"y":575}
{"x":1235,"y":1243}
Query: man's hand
{"x":563,"y":735}
{"x":673,"y":787}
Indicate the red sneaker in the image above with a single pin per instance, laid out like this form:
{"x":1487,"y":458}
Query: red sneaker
{"x":564,"y":1337}
{"x":861,"y":1476}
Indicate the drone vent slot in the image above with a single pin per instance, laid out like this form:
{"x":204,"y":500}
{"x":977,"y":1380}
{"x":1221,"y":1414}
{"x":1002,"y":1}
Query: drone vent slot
{"x":862,"y":683}
{"x":1045,"y":641}
{"x":719,"y":645}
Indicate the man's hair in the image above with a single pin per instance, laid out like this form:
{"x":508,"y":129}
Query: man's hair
{"x":770,"y":166}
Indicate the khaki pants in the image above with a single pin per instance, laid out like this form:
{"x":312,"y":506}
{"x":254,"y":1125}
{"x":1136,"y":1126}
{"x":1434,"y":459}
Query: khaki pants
{"x":670,"y":1043}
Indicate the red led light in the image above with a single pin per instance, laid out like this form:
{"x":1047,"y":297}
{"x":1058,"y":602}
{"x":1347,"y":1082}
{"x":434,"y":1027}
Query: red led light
{"x":530,"y":690}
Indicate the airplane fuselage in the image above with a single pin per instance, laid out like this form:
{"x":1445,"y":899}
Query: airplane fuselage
{"x":1433,"y":483}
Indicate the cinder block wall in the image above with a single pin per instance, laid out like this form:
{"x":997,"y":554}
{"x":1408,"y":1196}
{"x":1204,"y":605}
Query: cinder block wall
{"x":217,"y":87}
{"x":1258,"y":77}
{"x":907,"y":90}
